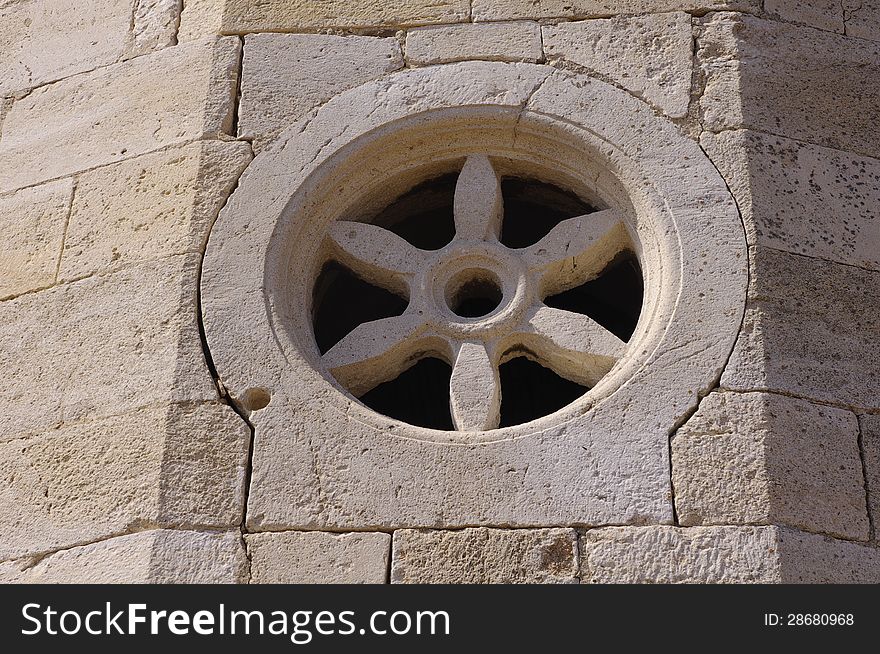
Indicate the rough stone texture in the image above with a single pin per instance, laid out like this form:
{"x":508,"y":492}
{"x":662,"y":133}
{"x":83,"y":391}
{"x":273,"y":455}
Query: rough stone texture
{"x":870,"y":431}
{"x":514,"y":41}
{"x":640,"y":555}
{"x":862,"y":19}
{"x":484,"y":556}
{"x":102,"y":346}
{"x":303,"y":557}
{"x":858,"y":18}
{"x":802,"y":198}
{"x":273,"y":15}
{"x":759,"y":458}
{"x":200,"y":18}
{"x":46,"y":40}
{"x":158,"y":556}
{"x":177,"y":95}
{"x":808,"y":331}
{"x":154,"y":25}
{"x":32,"y":222}
{"x":285,"y":75}
{"x":149,"y":207}
{"x":723,"y":555}
{"x":648,"y":55}
{"x":512,"y":9}
{"x":165,"y":465}
{"x":789,"y":80}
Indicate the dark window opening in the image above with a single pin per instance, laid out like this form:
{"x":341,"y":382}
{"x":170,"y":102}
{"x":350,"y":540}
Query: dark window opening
{"x":533,"y":208}
{"x":418,"y":396}
{"x":530,"y":391}
{"x":342,"y":301}
{"x":424,"y":215}
{"x":614,"y":299}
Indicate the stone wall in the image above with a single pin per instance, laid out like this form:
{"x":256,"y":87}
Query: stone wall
{"x":124,"y":127}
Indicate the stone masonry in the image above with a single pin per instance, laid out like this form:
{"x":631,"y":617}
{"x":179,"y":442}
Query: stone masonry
{"x":129,"y":454}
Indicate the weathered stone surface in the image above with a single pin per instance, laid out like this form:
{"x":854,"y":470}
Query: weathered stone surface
{"x":761,"y":458}
{"x":159,"y":556}
{"x":304,"y":557}
{"x":154,"y":25}
{"x":513,"y":41}
{"x":104,"y":345}
{"x":642,"y":555}
{"x":870,"y":432}
{"x":268,"y":15}
{"x":862,"y":19}
{"x":813,"y":559}
{"x":174,"y":96}
{"x":32,"y":223}
{"x":822,"y":14}
{"x":648,"y":55}
{"x":808,"y":331}
{"x":200,"y":18}
{"x":512,"y":9}
{"x":149,"y":207}
{"x":47,"y":40}
{"x":285,"y":75}
{"x":480,"y":555}
{"x":774,"y":77}
{"x":181,"y":465}
{"x":802,"y":198}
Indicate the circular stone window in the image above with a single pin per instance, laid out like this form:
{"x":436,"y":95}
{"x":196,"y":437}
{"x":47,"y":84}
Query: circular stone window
{"x":472,"y":293}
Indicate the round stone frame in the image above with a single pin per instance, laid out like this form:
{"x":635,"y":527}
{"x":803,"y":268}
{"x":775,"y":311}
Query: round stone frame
{"x":321,"y":459}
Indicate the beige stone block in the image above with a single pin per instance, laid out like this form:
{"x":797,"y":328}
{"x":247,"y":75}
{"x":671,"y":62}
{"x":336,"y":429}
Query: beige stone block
{"x":773,"y":77}
{"x":809,"y":331}
{"x":47,"y":40}
{"x":171,"y":97}
{"x":200,"y":18}
{"x":862,"y":19}
{"x":514,"y":9}
{"x":870,"y":434}
{"x":802,"y":198}
{"x":154,"y":25}
{"x":813,"y":559}
{"x":484,"y":556}
{"x":314,"y":557}
{"x":658,"y":554}
{"x":268,"y":15}
{"x":647,"y":55}
{"x":149,"y":207}
{"x":822,"y":14}
{"x":177,"y":465}
{"x":159,"y":556}
{"x":286,"y":75}
{"x":32,"y":222}
{"x":102,"y":346}
{"x":760,"y":458}
{"x":513,"y":41}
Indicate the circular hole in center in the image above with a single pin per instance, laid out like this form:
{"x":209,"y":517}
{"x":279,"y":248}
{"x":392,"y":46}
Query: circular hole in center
{"x":474,"y":293}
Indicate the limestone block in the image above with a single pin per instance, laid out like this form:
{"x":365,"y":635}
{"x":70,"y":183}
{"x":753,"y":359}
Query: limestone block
{"x":809,"y":331}
{"x":32,"y":223}
{"x":802,"y":198}
{"x":481,"y":555}
{"x":760,"y":458}
{"x":159,"y":556}
{"x":149,"y":207}
{"x":154,"y":25}
{"x":274,"y":15}
{"x":285,"y":75}
{"x":171,"y":97}
{"x":102,"y":346}
{"x":658,"y":554}
{"x":870,"y":430}
{"x":180,"y":465}
{"x":513,"y":9}
{"x":822,"y":14}
{"x":314,"y":557}
{"x":813,"y":559}
{"x":200,"y":18}
{"x":774,"y":77}
{"x":862,"y":19}
{"x":648,"y":55}
{"x":513,"y":41}
{"x":47,"y":40}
